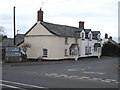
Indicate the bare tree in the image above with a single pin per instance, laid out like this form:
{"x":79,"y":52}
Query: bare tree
{"x":25,"y":47}
{"x":2,"y":33}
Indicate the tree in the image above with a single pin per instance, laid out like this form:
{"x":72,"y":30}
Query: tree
{"x":2,"y":33}
{"x":25,"y":47}
{"x":110,"y":49}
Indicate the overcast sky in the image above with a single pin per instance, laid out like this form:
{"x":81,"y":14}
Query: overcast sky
{"x":100,"y":15}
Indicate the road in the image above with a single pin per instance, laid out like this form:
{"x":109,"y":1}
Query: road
{"x":84,"y":73}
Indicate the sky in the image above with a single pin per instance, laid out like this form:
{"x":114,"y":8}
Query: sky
{"x":98,"y":15}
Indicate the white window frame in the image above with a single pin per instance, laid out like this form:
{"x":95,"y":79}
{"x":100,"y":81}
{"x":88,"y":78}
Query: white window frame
{"x":82,"y":35}
{"x":90,"y":49}
{"x":98,"y":36}
{"x":86,"y":50}
{"x":95,"y":49}
{"x":66,"y":41}
{"x":90,"y":36}
{"x":45,"y":53}
{"x":65,"y":53}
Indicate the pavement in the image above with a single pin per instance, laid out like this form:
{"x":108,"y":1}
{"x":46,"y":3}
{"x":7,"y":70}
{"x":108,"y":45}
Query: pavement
{"x":49,"y":62}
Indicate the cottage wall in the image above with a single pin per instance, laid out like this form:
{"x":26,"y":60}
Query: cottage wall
{"x":40,"y":39}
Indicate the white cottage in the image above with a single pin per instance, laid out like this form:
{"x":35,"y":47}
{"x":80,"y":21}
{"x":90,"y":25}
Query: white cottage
{"x":52,"y":41}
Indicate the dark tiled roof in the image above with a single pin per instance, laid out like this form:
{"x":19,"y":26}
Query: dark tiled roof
{"x":86,"y":32}
{"x":64,"y":30}
{"x":74,"y":45}
{"x":95,"y":33}
{"x":97,"y":45}
{"x":9,"y":42}
{"x":61,"y":30}
{"x":112,"y":41}
{"x":19,"y":38}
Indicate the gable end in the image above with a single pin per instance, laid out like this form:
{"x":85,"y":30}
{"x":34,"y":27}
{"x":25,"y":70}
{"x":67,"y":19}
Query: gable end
{"x":30,"y":29}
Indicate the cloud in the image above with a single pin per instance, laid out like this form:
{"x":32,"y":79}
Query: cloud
{"x":100,"y":14}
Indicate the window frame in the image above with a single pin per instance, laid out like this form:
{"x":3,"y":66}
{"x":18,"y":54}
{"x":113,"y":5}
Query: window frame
{"x":90,"y":36}
{"x":86,"y":50}
{"x":66,"y":41}
{"x":65,"y":52}
{"x":83,"y":36}
{"x":45,"y":53}
{"x":98,"y":36}
{"x":95,"y":49}
{"x":90,"y":50}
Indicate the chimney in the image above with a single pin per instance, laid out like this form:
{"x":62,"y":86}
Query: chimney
{"x":110,"y":38}
{"x":81,"y":24}
{"x":106,"y":36}
{"x":40,"y":15}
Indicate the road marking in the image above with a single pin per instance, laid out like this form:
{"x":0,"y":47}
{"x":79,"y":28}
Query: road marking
{"x":72,"y":76}
{"x":82,"y":69}
{"x":22,"y":84}
{"x":11,"y":86}
{"x":96,"y":78}
{"x":105,"y":80}
{"x":62,"y":75}
{"x":72,"y":70}
{"x":94,"y":73}
{"x":83,"y":77}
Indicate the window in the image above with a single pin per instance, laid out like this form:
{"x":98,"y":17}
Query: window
{"x":95,"y":49}
{"x":45,"y":52}
{"x":86,"y":50}
{"x":66,"y":41}
{"x":83,"y":36}
{"x":89,"y":50}
{"x":90,"y":36}
{"x":72,"y":52}
{"x":98,"y":36}
{"x":65,"y":52}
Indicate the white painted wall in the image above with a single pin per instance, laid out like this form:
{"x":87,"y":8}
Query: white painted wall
{"x":40,"y":39}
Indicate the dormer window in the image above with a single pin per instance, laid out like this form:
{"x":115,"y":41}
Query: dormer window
{"x":83,"y":36}
{"x":90,"y":36}
{"x":98,"y":36}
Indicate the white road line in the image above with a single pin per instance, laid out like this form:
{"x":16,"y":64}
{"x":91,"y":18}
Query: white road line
{"x":105,"y":80}
{"x":11,"y":86}
{"x":94,"y":73}
{"x":62,"y":75}
{"x":82,"y":77}
{"x":72,"y":69}
{"x":73,"y":76}
{"x":83,"y":69}
{"x":85,"y":77}
{"x":96,"y":78}
{"x":22,"y":84}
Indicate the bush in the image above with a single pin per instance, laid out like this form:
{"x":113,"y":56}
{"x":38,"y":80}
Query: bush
{"x":110,"y":49}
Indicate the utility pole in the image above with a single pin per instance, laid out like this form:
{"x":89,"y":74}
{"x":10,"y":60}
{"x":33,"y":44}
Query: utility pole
{"x":14,"y":25}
